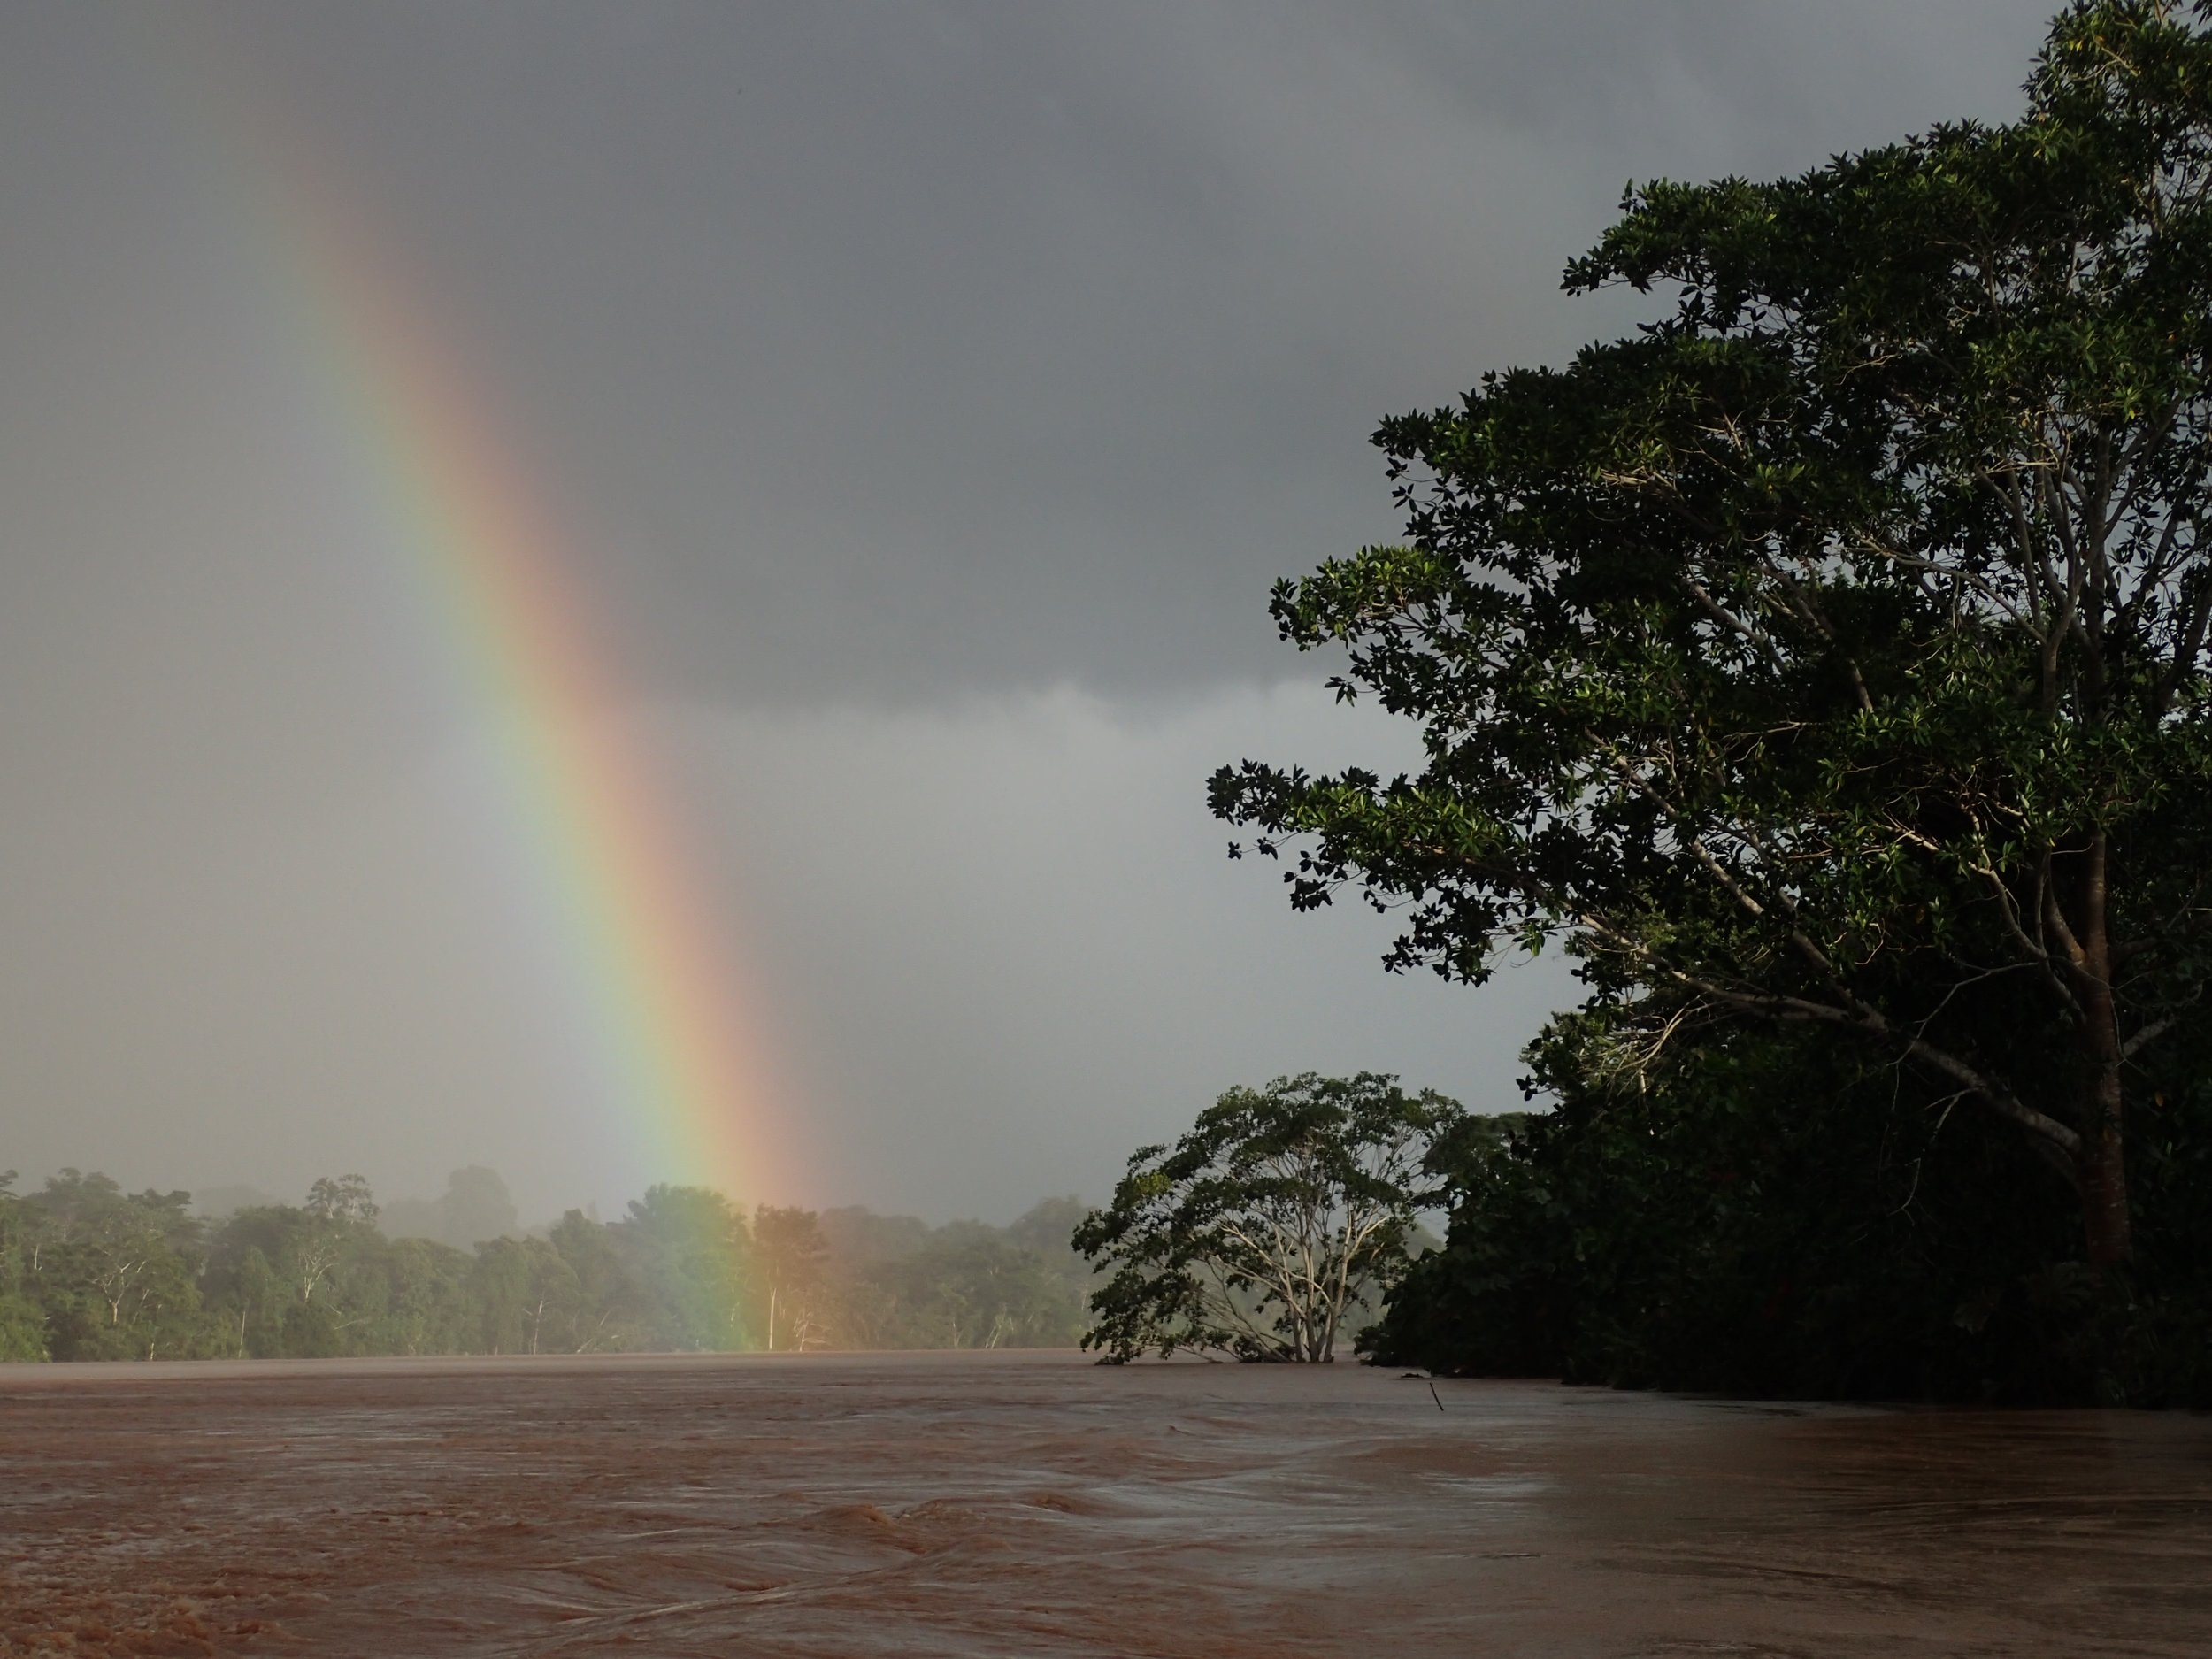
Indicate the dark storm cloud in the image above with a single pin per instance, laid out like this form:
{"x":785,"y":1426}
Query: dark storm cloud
{"x":914,"y":348}
{"x":885,"y":350}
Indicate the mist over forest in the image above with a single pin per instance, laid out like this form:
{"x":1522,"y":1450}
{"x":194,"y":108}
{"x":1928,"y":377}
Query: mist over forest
{"x":89,"y":1271}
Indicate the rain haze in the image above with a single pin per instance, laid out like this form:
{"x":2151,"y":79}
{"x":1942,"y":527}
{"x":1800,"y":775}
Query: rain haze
{"x":925,"y":397}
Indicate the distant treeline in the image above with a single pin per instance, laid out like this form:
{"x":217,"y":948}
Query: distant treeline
{"x":89,"y":1271}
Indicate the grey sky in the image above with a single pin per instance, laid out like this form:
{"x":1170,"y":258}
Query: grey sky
{"x":932,"y":392}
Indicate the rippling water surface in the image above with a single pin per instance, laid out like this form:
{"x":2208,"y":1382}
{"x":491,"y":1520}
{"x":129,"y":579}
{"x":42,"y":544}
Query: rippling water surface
{"x":1037,"y":1505}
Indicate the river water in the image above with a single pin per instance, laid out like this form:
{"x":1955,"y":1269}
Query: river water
{"x":1026,"y":1504}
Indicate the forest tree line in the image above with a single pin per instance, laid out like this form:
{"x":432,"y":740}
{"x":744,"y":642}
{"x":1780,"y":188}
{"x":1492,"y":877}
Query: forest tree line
{"x":90,"y":1272}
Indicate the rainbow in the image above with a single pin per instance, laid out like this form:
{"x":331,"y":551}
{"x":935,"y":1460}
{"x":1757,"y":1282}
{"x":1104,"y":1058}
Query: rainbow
{"x":685,"y":1061}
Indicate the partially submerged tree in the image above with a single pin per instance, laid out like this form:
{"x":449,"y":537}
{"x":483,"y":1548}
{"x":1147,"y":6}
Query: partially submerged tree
{"x":22,"y":1323}
{"x":1255,"y":1232}
{"x":115,"y":1270}
{"x":790,"y":1260}
{"x":1832,"y":652}
{"x":691,"y":1251}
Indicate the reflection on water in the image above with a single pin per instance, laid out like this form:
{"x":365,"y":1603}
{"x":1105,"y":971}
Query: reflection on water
{"x":1011,"y":1504}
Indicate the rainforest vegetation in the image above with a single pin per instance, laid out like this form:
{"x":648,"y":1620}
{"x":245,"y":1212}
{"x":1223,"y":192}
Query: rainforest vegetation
{"x":1271,"y":1229}
{"x":1822,"y":667}
{"x":90,"y":1272}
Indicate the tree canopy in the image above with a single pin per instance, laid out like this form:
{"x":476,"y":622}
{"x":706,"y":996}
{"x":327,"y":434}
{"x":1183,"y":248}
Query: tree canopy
{"x":89,"y":1271}
{"x":1281,"y":1209}
{"x":1830,"y":654}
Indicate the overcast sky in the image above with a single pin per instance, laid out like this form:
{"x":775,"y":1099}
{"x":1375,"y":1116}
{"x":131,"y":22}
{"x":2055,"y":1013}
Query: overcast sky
{"x":930,"y":394}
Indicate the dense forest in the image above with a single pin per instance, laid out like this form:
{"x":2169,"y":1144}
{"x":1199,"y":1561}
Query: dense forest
{"x":90,"y":1272}
{"x":1779,"y":1216}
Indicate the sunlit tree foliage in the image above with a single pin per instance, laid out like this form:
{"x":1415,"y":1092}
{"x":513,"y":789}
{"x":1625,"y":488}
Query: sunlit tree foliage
{"x":1280,"y":1209}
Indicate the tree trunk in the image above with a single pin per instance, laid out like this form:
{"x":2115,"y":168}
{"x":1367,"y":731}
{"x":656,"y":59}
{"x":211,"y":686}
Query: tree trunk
{"x":2101,"y":1164}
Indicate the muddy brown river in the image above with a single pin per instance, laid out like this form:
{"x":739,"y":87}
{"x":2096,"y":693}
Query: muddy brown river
{"x":1036,"y":1505}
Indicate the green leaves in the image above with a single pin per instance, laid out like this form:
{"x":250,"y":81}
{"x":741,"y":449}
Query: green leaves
{"x":1830,"y":650}
{"x":1278,"y":1212}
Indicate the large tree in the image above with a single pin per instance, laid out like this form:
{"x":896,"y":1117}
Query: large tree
{"x":1253,"y":1236}
{"x":1830,"y":652}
